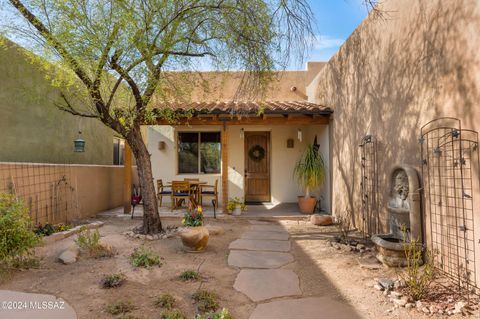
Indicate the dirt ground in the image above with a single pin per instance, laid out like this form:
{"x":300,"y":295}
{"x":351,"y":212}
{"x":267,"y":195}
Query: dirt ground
{"x":322,"y":271}
{"x":340,"y":274}
{"x":78,"y":283}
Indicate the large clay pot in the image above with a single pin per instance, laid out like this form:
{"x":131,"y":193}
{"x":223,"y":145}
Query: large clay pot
{"x":195,"y":239}
{"x":306,"y":204}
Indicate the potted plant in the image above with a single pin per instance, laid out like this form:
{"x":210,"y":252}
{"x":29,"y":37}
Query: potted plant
{"x":310,"y":173}
{"x":236,"y":206}
{"x":195,"y":238}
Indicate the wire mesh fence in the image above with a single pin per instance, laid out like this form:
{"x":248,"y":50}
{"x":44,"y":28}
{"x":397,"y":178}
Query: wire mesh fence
{"x":46,"y":189}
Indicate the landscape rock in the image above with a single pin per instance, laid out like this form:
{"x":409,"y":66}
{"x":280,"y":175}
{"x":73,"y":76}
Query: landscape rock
{"x":459,"y":306}
{"x":396,"y":294}
{"x":386,"y":283}
{"x":378,"y":287}
{"x":321,"y":220}
{"x":69,"y":256}
{"x":400,"y":302}
{"x":409,"y":305}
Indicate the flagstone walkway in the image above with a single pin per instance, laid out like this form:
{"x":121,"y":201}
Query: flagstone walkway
{"x":260,"y":253}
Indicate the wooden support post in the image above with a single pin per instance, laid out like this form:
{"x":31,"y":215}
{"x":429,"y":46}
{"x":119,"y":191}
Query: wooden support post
{"x":127,"y":179}
{"x":224,"y":167}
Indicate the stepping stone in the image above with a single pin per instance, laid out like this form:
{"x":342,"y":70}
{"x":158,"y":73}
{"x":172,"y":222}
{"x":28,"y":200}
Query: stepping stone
{"x":258,"y":259}
{"x":265,"y":235}
{"x":270,"y":228}
{"x":266,"y":284}
{"x":305,"y":308}
{"x":258,"y":244}
{"x":32,"y":306}
{"x":260,"y":222}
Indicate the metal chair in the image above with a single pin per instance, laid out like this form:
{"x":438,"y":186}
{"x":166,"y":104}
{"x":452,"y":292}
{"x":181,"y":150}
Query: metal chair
{"x":181,"y":191}
{"x":162,"y":190}
{"x":212,"y":191}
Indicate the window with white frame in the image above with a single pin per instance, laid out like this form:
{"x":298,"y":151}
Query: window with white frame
{"x":199,"y":152}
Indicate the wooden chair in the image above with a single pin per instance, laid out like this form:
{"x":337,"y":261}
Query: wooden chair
{"x":162,"y":190}
{"x":181,"y":191}
{"x":212,"y":191}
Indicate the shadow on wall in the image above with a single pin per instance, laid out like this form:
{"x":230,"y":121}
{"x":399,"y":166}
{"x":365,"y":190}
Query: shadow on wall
{"x":391,"y":77}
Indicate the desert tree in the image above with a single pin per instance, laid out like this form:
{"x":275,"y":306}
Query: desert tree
{"x":111,"y":59}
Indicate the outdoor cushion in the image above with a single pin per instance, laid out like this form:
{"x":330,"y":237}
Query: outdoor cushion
{"x":166,"y":192}
{"x":208,"y":192}
{"x":181,"y":194}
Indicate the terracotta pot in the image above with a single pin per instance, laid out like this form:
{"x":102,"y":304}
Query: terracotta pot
{"x":306,"y":205}
{"x":195,"y":239}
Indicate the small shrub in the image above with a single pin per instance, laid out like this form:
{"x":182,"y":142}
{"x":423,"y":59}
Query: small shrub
{"x":166,"y":301}
{"x":223,"y":314}
{"x":16,"y":235}
{"x":172,"y":314}
{"x":207,"y":301}
{"x":120,"y":307}
{"x":417,"y":279}
{"x":89,"y":240}
{"x":189,"y":275}
{"x":144,"y":257}
{"x":112,"y":280}
{"x":344,"y":222}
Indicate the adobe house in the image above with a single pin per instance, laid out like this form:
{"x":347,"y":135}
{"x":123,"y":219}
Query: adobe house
{"x":219,"y":142}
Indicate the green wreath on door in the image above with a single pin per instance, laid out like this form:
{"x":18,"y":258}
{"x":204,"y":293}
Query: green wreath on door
{"x":256,"y":153}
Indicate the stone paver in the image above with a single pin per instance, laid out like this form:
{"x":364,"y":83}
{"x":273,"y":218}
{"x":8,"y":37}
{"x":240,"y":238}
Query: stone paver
{"x":265,"y":235}
{"x":305,"y":308}
{"x":258,"y":259}
{"x":260,"y":222}
{"x":59,"y":308}
{"x":263,"y":284}
{"x":269,"y":228}
{"x":261,"y":244}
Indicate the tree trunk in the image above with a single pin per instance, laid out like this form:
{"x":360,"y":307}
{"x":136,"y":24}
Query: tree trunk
{"x":307,"y":192}
{"x":151,"y":219}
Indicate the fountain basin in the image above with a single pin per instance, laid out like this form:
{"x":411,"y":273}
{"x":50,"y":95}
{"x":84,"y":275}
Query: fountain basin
{"x":391,"y":250}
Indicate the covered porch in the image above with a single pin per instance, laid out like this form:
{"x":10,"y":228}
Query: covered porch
{"x":248,"y":149}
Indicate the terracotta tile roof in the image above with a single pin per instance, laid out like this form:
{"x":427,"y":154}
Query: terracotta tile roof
{"x":268,"y":107}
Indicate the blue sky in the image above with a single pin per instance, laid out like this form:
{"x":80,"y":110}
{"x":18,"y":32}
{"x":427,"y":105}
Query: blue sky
{"x":335,"y":20}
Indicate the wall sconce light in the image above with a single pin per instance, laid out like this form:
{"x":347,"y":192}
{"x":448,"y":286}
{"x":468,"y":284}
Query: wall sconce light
{"x":79,"y":143}
{"x":161,"y":145}
{"x":242,"y":133}
{"x":299,"y":135}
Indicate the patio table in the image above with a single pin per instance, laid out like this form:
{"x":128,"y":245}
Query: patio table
{"x":196,"y":186}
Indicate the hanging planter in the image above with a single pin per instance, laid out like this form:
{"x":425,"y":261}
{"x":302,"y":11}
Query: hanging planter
{"x":79,"y":143}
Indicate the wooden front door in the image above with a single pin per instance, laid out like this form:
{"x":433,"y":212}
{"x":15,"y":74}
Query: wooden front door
{"x":257,"y":167}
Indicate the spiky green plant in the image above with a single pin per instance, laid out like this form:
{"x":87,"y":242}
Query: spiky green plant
{"x":310,"y":169}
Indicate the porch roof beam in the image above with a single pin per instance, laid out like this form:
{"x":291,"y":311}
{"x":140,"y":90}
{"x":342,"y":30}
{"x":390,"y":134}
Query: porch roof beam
{"x":249,"y":120}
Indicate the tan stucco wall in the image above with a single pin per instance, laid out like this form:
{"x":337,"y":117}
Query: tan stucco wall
{"x":224,"y":86}
{"x":283,"y":187}
{"x":391,"y":77}
{"x":32,"y":128}
{"x":84,"y":190}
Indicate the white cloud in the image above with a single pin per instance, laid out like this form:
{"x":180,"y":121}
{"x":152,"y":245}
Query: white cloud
{"x":323,"y":42}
